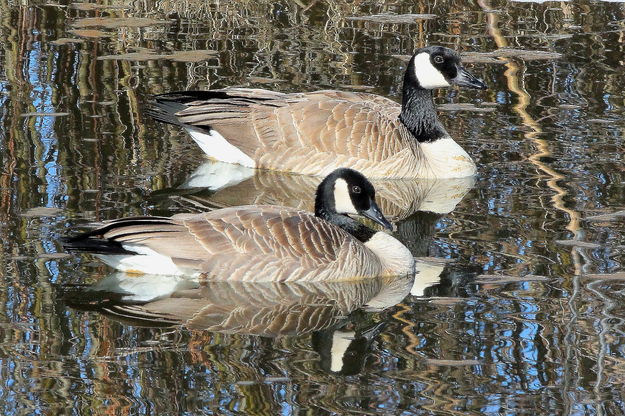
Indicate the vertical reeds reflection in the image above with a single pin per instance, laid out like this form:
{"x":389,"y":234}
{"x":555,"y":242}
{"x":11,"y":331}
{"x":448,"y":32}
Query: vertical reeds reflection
{"x":543,"y":347}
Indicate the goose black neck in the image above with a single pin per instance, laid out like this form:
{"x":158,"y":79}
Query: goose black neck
{"x":418,"y":112}
{"x":324,"y":208}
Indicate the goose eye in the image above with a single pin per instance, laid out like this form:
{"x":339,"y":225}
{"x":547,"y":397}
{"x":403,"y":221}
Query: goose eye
{"x":356,"y":189}
{"x":438,"y":59}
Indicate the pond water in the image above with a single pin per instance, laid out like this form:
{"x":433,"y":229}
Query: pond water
{"x":518,"y":306}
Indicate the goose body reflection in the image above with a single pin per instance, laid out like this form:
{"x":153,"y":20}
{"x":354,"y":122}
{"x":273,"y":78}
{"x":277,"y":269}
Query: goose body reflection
{"x":315,"y":133}
{"x":259,"y":243}
{"x":398,"y":199}
{"x":268,"y":309}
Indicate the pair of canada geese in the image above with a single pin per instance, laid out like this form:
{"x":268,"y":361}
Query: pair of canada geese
{"x":340,"y":135}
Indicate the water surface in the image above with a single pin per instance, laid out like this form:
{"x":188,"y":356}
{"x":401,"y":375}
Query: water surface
{"x":527,"y":315}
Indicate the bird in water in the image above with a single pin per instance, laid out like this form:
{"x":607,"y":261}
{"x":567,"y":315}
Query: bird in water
{"x":259,"y":243}
{"x":317,"y":132}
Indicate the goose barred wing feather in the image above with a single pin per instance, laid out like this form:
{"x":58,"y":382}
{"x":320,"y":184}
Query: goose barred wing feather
{"x":310,"y":133}
{"x":254,"y":243}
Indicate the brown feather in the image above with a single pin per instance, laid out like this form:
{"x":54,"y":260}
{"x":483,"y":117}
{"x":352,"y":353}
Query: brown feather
{"x":253,"y":243}
{"x":398,"y":199}
{"x":312,"y":133}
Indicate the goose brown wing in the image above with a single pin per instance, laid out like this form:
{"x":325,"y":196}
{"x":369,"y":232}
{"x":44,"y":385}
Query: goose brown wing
{"x":251,"y":243}
{"x":279,"y":130}
{"x":255,"y":243}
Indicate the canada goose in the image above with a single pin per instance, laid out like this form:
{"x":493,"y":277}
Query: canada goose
{"x":270,"y":309}
{"x":317,"y":132}
{"x":220,"y":185}
{"x":259,"y":243}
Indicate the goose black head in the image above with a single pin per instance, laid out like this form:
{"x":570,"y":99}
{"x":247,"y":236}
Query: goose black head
{"x":346,"y":191}
{"x":439,"y":67}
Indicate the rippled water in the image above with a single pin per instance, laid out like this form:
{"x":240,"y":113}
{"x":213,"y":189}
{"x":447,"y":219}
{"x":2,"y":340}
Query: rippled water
{"x":527,"y":316}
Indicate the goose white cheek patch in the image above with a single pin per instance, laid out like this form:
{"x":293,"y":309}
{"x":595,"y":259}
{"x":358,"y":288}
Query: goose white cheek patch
{"x":428,"y":76}
{"x":342,"y":201}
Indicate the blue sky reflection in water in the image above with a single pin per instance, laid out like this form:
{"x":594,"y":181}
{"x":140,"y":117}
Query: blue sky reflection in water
{"x":544,"y":336}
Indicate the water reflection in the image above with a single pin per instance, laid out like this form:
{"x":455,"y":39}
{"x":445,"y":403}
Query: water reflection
{"x":230,"y":185}
{"x":259,"y":309}
{"x":263,"y":309}
{"x":549,"y":156}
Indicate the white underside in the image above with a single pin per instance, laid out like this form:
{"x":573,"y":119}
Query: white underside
{"x":446,"y":159}
{"x":395,"y":257}
{"x":390,"y":294}
{"x":214,"y":175}
{"x":340,"y":344}
{"x":145,"y":261}
{"x":217,"y":147}
{"x":443,"y":195}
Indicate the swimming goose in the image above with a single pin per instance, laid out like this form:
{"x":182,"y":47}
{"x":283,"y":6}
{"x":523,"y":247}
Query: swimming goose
{"x":259,"y":243}
{"x":317,"y":132}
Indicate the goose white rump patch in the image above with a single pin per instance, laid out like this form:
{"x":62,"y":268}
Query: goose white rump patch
{"x":145,"y":261}
{"x":214,"y":175}
{"x":146,"y":287}
{"x":429,"y":77}
{"x":217,"y":147}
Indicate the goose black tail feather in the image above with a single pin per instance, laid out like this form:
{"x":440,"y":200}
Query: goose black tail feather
{"x":184,"y":97}
{"x":164,"y":107}
{"x":165,"y":111}
{"x":83,"y":243}
{"x":93,"y":242}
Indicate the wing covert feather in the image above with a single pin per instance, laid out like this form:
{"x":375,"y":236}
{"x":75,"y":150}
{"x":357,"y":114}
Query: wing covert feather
{"x":326,"y":129}
{"x":253,"y":242}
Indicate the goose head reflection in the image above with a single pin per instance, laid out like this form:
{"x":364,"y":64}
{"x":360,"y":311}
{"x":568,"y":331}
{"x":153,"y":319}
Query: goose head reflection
{"x":344,"y":350}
